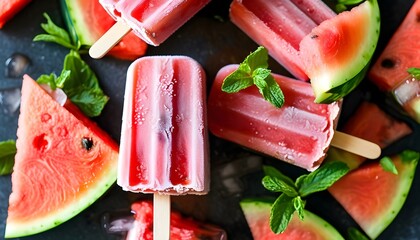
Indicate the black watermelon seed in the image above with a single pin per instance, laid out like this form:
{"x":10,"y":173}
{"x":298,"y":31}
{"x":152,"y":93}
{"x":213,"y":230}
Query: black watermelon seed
{"x":87,"y":143}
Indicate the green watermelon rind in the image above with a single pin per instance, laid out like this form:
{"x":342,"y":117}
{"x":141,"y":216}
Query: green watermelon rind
{"x":14,"y":230}
{"x":77,"y":27}
{"x":260,"y":207}
{"x":329,"y":84}
{"x":407,"y":173}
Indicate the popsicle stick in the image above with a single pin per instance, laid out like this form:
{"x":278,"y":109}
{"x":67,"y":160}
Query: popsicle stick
{"x":109,"y":39}
{"x":161,"y":216}
{"x":355,"y":145}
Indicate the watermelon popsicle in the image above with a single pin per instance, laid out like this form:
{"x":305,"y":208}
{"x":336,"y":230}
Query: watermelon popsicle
{"x":164,"y":146}
{"x":300,"y":132}
{"x":152,"y":20}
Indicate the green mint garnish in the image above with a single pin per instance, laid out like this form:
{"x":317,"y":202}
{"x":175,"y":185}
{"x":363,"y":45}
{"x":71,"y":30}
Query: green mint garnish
{"x":415,"y":72}
{"x":343,"y":5}
{"x":56,"y":34}
{"x":254,"y":71}
{"x":409,"y":155}
{"x":7,"y":156}
{"x":388,"y":165}
{"x":292,"y":193}
{"x":79,"y":83}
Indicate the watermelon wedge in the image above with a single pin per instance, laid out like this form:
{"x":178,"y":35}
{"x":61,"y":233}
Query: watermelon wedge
{"x":257,"y":214}
{"x":64,"y":162}
{"x":312,"y":42}
{"x":337,"y":53}
{"x":373,"y":196}
{"x":87,"y":21}
{"x":10,"y":8}
{"x":371,"y":123}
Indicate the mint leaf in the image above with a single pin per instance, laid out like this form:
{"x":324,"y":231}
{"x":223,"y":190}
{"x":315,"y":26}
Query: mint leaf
{"x":55,"y":34}
{"x":415,"y":72}
{"x":277,"y":185}
{"x":322,"y":178}
{"x":237,"y":81}
{"x":388,"y":165}
{"x":292,"y":192}
{"x":299,"y":205}
{"x":7,"y":156}
{"x":355,"y":234}
{"x":342,"y":5}
{"x":253,"y":71}
{"x":80,"y":84}
{"x":281,"y":213}
{"x":50,"y":80}
{"x":268,"y":87}
{"x":409,"y":155}
{"x":272,"y":172}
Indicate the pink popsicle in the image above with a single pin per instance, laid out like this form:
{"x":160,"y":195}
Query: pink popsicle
{"x":164,"y":146}
{"x":153,"y":20}
{"x":299,"y":132}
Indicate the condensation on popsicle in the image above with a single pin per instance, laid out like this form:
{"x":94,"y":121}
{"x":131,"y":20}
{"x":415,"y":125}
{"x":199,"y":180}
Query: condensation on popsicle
{"x":164,"y":139}
{"x":299,"y":132}
{"x":153,"y":20}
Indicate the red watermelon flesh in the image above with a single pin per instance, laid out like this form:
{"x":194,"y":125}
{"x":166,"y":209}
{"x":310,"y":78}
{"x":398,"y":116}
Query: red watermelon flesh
{"x":373,"y":196}
{"x":369,"y":122}
{"x":10,"y":8}
{"x":64,"y":162}
{"x":88,"y":20}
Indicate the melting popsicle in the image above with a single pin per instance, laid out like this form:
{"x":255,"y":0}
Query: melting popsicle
{"x":300,"y":132}
{"x":151,"y":20}
{"x":164,"y":148}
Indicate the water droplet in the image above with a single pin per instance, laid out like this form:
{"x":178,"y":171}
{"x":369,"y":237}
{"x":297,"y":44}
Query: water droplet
{"x":16,"y":65}
{"x":10,"y":100}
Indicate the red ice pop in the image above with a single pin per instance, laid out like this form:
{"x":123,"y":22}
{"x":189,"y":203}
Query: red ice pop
{"x":164,"y":148}
{"x":151,"y":20}
{"x":299,"y":132}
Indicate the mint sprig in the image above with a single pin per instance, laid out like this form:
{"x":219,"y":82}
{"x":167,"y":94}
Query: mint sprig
{"x":56,"y":35}
{"x":79,"y":83}
{"x":292,"y":193}
{"x":343,"y":5}
{"x":7,"y":156}
{"x":254,"y":71}
{"x":388,"y":165}
{"x":415,"y":72}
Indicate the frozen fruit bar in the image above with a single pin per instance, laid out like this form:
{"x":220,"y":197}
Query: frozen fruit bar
{"x":164,"y":145}
{"x":299,"y":132}
{"x":153,"y":20}
{"x":280,"y":26}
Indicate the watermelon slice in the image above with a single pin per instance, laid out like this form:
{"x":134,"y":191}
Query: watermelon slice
{"x":9,"y":8}
{"x":373,"y":196}
{"x":257,"y":214}
{"x":64,"y":162}
{"x":371,"y":123}
{"x":87,"y":21}
{"x":336,"y":54}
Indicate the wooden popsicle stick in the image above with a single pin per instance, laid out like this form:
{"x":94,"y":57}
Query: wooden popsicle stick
{"x":161,"y":216}
{"x":355,"y":145}
{"x":109,"y":39}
